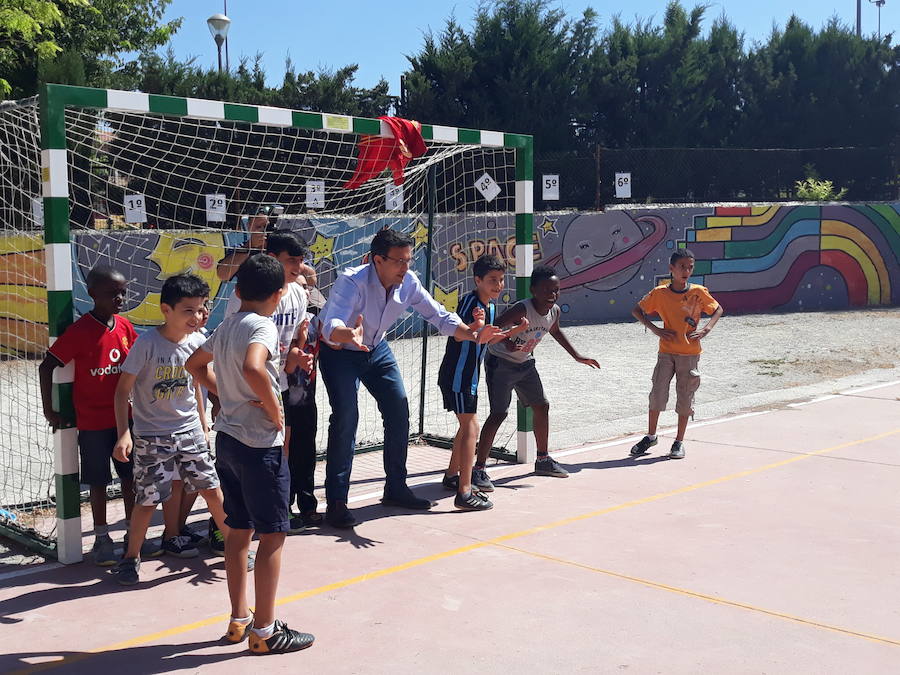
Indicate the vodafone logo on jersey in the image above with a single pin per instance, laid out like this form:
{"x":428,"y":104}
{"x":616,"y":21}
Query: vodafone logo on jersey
{"x":113,"y":368}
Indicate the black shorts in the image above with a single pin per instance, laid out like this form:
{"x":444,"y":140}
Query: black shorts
{"x":458,"y":402}
{"x":256,"y":484}
{"x":96,"y":449}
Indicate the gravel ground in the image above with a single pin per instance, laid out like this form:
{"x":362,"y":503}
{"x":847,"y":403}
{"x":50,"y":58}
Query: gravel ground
{"x":749,"y":362}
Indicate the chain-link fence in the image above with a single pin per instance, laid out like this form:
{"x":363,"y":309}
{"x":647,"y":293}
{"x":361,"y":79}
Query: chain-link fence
{"x":687,"y":175}
{"x":691,"y":175}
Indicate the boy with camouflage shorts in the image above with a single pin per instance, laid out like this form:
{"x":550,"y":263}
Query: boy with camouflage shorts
{"x":170,"y":443}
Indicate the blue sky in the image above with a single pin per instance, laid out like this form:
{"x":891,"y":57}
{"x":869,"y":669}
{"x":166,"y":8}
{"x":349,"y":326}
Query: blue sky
{"x":378,"y":35}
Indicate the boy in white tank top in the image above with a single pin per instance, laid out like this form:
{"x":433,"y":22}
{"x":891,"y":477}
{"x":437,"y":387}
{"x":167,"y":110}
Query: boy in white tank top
{"x":510,"y":367}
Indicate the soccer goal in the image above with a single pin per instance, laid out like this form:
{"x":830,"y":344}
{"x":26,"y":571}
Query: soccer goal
{"x":158,"y":185}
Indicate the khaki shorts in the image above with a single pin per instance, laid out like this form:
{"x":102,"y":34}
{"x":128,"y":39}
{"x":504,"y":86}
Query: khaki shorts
{"x":159,"y":460}
{"x":685,"y":368}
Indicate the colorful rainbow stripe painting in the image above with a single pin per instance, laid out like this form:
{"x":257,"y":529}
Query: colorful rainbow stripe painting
{"x":760,"y":258}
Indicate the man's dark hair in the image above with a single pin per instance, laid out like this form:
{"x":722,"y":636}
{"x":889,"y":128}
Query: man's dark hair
{"x":541,"y":272}
{"x":181,"y":286}
{"x":102,"y":273}
{"x":258,"y":277}
{"x":487,"y":263}
{"x":387,"y":239}
{"x":681,"y":253}
{"x":281,"y":241}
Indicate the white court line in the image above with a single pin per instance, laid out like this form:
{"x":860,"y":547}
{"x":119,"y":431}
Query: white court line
{"x":847,"y":392}
{"x":860,"y":390}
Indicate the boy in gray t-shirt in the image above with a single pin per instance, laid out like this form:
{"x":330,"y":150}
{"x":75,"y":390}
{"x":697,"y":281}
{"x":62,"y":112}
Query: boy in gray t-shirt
{"x":170,"y":441}
{"x":510,"y":367}
{"x":250,"y":459}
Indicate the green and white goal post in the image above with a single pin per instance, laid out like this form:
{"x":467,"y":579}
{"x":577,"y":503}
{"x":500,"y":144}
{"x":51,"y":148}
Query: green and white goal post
{"x":58,"y":101}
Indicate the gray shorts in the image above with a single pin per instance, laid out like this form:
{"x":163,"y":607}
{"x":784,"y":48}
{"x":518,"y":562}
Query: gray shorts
{"x":685,"y":368}
{"x":159,"y":460}
{"x":503,"y":377}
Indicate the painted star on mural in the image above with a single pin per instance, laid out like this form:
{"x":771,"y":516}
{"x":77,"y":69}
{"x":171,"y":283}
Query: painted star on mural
{"x":321,"y":248}
{"x":548,"y":226}
{"x":420,"y":234}
{"x":449,"y":299}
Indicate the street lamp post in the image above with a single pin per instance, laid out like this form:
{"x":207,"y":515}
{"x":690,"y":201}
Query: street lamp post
{"x":879,"y":4}
{"x":218,"y":27}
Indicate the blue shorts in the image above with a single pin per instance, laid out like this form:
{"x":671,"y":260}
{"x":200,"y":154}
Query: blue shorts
{"x":256,"y":484}
{"x":96,"y":449}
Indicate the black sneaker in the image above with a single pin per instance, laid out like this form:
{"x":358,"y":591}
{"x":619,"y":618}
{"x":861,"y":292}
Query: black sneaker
{"x":474,"y":501}
{"x":406,"y":499}
{"x":642,"y":447}
{"x":282,"y":641}
{"x":677,"y":450}
{"x":196,"y":538}
{"x":216,"y":539}
{"x":339,"y":516}
{"x":312,"y":518}
{"x":126,"y":571}
{"x":180,"y":547}
{"x":103,"y":551}
{"x":481,"y":480}
{"x":450,"y":482}
{"x":296,"y":525}
{"x":547,"y":466}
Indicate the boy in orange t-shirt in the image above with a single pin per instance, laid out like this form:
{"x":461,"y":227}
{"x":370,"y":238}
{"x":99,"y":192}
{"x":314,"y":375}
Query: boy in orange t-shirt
{"x":679,"y":304}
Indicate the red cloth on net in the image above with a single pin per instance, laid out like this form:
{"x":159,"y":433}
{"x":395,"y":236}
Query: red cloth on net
{"x":377,"y":153}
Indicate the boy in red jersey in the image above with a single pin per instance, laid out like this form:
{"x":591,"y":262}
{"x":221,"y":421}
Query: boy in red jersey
{"x":97,"y":343}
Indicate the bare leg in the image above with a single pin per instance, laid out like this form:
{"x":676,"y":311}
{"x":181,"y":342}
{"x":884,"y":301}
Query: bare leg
{"x":140,"y":521}
{"x":682,"y":427}
{"x":652,"y":421}
{"x":464,"y":450}
{"x":236,"y":547}
{"x":127,"y":498}
{"x":98,"y":504}
{"x":488,"y":433}
{"x":268,"y":569}
{"x":171,"y":509}
{"x":541,"y":416}
{"x":187,"y":505}
{"x":213,"y":498}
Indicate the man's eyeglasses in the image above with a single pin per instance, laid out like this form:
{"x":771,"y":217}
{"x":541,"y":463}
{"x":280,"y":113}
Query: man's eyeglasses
{"x":405,"y":262}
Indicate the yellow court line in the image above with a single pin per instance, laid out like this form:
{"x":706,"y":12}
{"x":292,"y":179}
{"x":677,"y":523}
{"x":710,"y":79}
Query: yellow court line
{"x":703,"y":596}
{"x":144,"y":639}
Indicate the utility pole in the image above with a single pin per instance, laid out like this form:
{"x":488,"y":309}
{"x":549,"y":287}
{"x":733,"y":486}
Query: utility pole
{"x":859,"y":18}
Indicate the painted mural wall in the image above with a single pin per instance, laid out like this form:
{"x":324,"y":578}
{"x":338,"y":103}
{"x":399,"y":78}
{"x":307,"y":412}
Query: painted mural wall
{"x":753,"y":259}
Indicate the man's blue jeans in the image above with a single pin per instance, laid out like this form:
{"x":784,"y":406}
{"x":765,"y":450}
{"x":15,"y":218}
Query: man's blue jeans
{"x":342,"y":371}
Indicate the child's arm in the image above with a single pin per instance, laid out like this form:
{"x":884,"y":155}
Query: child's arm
{"x":703,"y":332}
{"x":198,"y":366}
{"x":661,"y":333}
{"x":45,"y":377}
{"x":514,"y":316}
{"x":124,"y":445}
{"x":201,"y":410}
{"x":481,"y":333}
{"x":295,"y":353}
{"x":515,"y":330}
{"x":256,"y":376}
{"x":558,"y":335}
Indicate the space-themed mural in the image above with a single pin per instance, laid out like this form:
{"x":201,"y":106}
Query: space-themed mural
{"x":752,"y":259}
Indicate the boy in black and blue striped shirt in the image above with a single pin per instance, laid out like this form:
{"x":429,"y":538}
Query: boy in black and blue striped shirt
{"x":458,"y":379}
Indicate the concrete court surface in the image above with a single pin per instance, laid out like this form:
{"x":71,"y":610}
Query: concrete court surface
{"x":772,"y":548}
